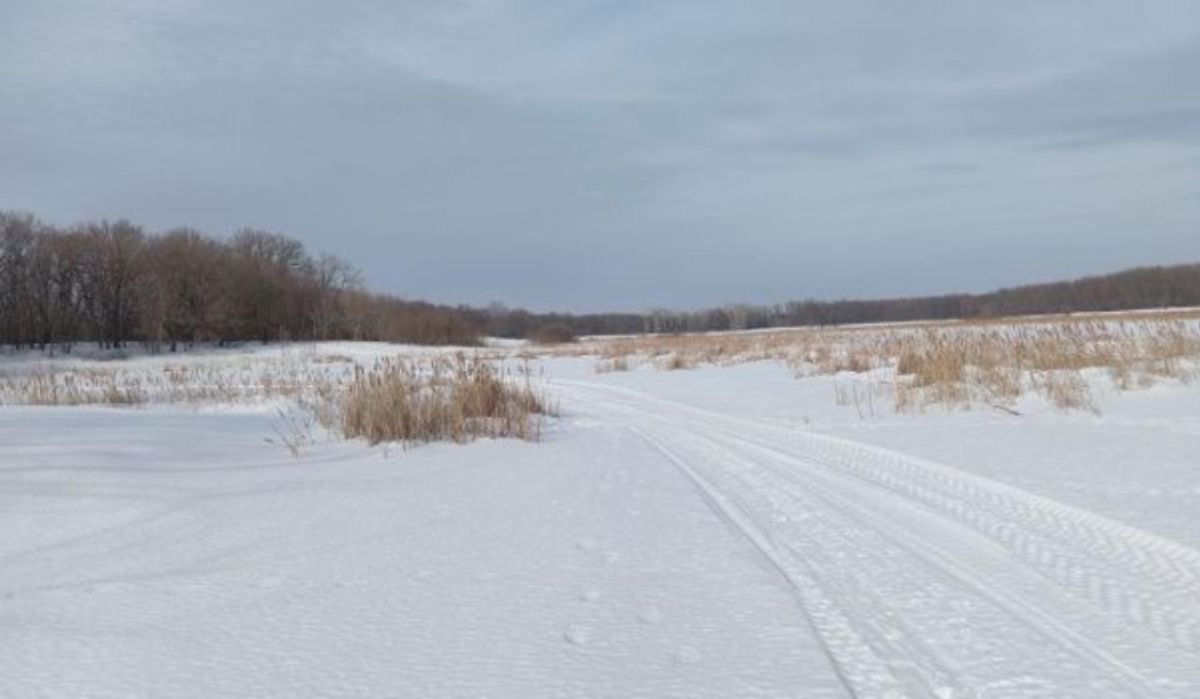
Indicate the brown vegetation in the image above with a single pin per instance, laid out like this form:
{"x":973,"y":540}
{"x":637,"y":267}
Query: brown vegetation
{"x":456,"y":399}
{"x":398,"y":399}
{"x":200,"y":383}
{"x":953,"y":364}
{"x":552,"y":334}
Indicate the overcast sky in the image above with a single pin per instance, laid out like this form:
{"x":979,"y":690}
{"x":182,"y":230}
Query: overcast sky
{"x":624,"y":154}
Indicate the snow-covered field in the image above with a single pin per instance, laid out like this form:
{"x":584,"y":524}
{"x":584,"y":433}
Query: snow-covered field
{"x":722,"y":531}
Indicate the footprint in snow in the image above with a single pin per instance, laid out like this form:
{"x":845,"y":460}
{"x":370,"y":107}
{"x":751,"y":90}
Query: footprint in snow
{"x":586,"y":544}
{"x":589,"y":595}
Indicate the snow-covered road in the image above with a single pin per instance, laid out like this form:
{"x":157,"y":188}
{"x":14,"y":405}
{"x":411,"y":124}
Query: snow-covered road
{"x":672,"y":536}
{"x":923,"y":580}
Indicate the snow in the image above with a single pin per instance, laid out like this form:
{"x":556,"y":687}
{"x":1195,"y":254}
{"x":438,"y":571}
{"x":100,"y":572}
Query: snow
{"x":714,"y":532}
{"x":1138,"y":460}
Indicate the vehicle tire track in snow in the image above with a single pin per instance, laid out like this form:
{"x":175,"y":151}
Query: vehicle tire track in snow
{"x":802,"y":583}
{"x":1060,"y":540}
{"x":898,"y":644}
{"x":894,"y":558}
{"x":969,"y":567}
{"x":1162,"y":598}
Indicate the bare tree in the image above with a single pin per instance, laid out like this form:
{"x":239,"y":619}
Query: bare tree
{"x":111,"y":267}
{"x":189,"y":274}
{"x":17,"y":239}
{"x":332,"y":277}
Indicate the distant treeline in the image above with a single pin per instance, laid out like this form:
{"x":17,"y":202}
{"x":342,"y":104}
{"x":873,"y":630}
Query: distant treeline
{"x":114,"y":283}
{"x":1142,"y":287}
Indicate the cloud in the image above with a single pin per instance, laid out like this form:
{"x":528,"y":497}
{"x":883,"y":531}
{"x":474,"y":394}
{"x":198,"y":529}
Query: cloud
{"x":582,"y":154}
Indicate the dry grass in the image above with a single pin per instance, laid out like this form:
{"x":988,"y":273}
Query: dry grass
{"x":250,"y":381}
{"x":676,"y":361}
{"x":953,"y":364}
{"x":399,"y":399}
{"x":1064,"y":360}
{"x":439,"y":399}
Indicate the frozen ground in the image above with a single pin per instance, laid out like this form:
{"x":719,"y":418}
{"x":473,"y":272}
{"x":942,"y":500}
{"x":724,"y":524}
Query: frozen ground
{"x":717,"y":532}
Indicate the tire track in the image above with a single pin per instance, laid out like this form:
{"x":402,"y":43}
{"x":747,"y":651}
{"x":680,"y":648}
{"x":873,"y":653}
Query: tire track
{"x":893,"y":556}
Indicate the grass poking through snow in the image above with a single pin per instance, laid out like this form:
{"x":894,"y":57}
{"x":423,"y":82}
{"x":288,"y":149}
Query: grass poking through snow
{"x":440,"y":399}
{"x":953,"y":364}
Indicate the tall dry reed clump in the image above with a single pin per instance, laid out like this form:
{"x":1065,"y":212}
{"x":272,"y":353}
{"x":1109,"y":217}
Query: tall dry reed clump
{"x":438,"y":399}
{"x":997,"y":364}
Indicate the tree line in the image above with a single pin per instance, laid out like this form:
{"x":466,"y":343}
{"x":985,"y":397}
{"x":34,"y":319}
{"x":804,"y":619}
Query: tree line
{"x":1137,"y":288}
{"x":114,"y":283}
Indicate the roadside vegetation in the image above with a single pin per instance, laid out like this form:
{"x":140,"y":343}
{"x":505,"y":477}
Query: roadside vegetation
{"x":212,"y":381}
{"x":949,"y":365}
{"x":455,"y":399}
{"x":402,"y":399}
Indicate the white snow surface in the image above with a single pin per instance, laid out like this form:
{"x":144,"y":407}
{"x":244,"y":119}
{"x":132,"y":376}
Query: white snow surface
{"x":720,"y":532}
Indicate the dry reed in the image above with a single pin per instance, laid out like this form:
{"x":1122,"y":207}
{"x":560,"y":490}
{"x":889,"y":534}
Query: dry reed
{"x":455,"y":399}
{"x":952,"y":364}
{"x":400,"y":399}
